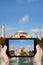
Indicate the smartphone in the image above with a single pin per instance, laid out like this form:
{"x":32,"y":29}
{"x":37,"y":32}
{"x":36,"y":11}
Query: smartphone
{"x":21,"y":47}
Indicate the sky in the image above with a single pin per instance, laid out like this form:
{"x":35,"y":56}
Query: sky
{"x":21,"y":15}
{"x":15,"y":44}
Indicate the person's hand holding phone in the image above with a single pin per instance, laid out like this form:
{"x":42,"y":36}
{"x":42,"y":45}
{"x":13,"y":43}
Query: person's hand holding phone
{"x":38,"y":56}
{"x":4,"y":57}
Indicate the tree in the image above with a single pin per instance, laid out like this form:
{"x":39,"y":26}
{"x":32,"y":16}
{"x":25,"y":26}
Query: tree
{"x":31,"y":53}
{"x":41,"y":43}
{"x":38,"y":41}
{"x":3,"y":41}
{"x":11,"y":52}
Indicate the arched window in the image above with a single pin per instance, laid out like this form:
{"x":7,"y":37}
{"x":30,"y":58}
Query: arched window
{"x":22,"y":36}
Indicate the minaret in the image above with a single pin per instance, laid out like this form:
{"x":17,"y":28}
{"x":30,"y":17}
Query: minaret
{"x":3,"y":30}
{"x":40,"y":33}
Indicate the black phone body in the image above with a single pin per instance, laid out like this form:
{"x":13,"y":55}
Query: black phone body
{"x":21,"y":47}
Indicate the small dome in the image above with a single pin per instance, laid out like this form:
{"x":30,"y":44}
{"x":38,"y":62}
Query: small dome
{"x":20,"y":31}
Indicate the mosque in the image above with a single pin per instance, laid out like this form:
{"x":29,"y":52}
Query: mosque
{"x":21,"y":34}
{"x":18,"y":34}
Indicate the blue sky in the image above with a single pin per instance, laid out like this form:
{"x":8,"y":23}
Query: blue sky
{"x":21,"y":14}
{"x":21,"y":43}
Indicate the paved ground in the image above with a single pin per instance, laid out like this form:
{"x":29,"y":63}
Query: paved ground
{"x":22,"y":61}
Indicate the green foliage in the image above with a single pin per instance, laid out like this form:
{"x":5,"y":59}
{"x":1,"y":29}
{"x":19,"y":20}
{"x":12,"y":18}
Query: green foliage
{"x":31,"y":53}
{"x":38,"y":41}
{"x":3,"y":41}
{"x":12,"y":52}
{"x":41,"y":43}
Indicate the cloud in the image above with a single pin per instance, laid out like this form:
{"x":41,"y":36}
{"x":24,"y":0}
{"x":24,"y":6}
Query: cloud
{"x":19,"y":1}
{"x":29,"y":1}
{"x":9,"y":31}
{"x":22,"y":1}
{"x":24,"y":19}
{"x":22,"y":40}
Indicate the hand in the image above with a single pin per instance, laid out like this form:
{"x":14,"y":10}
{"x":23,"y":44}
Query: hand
{"x":38,"y":56}
{"x":4,"y":57}
{"x":34,"y":63}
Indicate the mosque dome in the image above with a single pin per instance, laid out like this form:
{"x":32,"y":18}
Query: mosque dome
{"x":21,"y":34}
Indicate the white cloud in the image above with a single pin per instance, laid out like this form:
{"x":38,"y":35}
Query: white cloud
{"x":29,"y":1}
{"x":19,"y":1}
{"x":9,"y":31}
{"x":24,"y":19}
